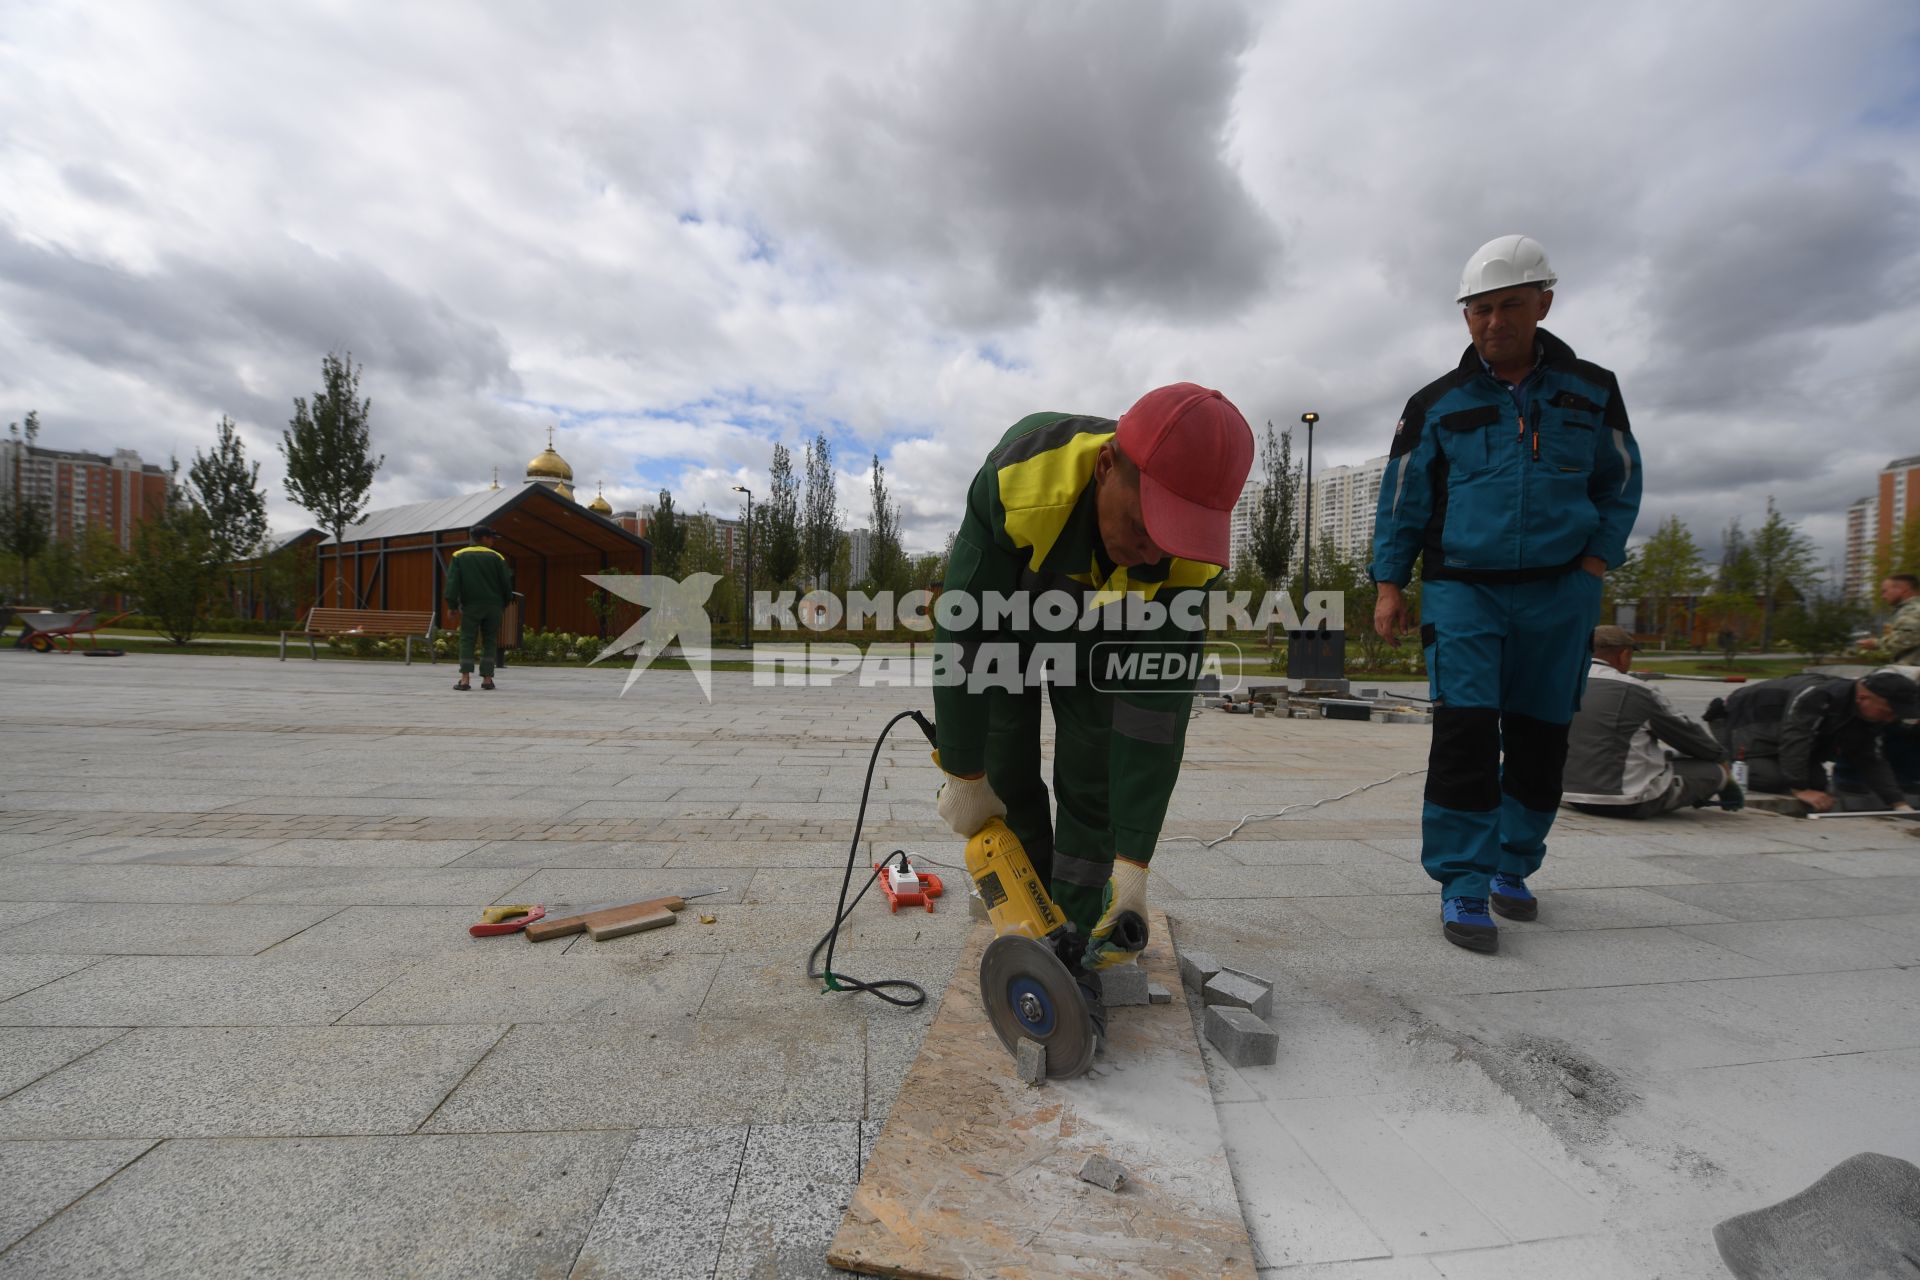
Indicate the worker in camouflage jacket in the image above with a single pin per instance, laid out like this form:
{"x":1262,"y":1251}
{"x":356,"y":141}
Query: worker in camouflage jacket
{"x":479,"y":585}
{"x":1899,"y":644}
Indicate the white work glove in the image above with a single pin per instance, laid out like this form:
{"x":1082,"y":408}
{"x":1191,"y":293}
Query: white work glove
{"x":967,"y":804}
{"x":1126,"y":892}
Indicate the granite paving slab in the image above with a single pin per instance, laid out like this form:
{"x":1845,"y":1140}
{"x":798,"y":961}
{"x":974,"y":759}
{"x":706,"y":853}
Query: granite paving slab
{"x":420,"y":1206}
{"x":623,"y":1075}
{"x":204,"y":1082}
{"x":27,"y":1053}
{"x":521,"y":982}
{"x":675,"y":1185}
{"x":39,"y":1179}
{"x":126,"y":929}
{"x":196,"y":991}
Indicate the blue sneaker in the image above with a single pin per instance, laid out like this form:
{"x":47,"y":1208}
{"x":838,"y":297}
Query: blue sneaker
{"x":1465,"y":923}
{"x":1512,"y":899}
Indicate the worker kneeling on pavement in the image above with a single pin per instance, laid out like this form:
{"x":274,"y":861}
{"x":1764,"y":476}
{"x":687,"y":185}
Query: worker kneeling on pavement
{"x":1089,"y":543}
{"x":1516,"y":479}
{"x":1630,"y":754}
{"x":1789,"y":730}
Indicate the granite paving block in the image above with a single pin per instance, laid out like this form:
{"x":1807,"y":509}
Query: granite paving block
{"x":27,"y":1053}
{"x":360,"y":853}
{"x":1239,"y":990}
{"x":1123,"y":984}
{"x":196,"y":991}
{"x":893,"y":1045}
{"x":1030,"y":1061}
{"x":124,"y":929}
{"x":714,"y":1071}
{"x":1104,"y":1173}
{"x":665,"y":1214}
{"x":1157,"y":994}
{"x":419,"y":1206}
{"x":122,"y":883}
{"x":517,"y":981}
{"x":795,"y":1183}
{"x":1196,"y":968}
{"x":367,"y":886}
{"x":387,"y":935}
{"x":1627,"y":908}
{"x":24,"y":973}
{"x":39,"y":1179}
{"x":205,"y":1082}
{"x":1242,"y":1038}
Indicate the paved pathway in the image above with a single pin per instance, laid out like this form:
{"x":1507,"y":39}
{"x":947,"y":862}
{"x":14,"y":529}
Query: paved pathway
{"x":243,"y":1030}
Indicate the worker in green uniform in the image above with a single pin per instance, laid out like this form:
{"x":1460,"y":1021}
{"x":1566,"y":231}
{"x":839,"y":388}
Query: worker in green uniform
{"x":1089,"y":543}
{"x":479,"y":584}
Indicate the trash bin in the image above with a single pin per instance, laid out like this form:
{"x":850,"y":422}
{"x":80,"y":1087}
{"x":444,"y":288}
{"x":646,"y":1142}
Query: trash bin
{"x":510,"y":627}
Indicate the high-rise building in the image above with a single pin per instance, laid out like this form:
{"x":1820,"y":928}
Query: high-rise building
{"x":1863,"y":519}
{"x":79,"y":489}
{"x":1344,"y":499}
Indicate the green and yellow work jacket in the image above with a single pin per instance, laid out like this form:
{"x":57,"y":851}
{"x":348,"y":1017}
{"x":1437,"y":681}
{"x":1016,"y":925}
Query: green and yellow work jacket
{"x":1031,"y":526}
{"x":479,"y":581}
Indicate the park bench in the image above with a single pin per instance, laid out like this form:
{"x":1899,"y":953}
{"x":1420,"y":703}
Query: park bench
{"x":380,"y":623}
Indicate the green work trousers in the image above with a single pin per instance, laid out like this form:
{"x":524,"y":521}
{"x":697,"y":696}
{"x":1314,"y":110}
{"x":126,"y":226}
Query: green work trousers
{"x":485,"y":628}
{"x":1074,"y":854}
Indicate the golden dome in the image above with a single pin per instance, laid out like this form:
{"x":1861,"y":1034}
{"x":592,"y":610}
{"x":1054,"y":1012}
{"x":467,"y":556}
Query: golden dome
{"x":600,"y":503}
{"x":548,"y":465}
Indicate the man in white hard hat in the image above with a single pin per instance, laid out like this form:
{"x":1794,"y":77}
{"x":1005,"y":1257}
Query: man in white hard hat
{"x":1516,"y":479}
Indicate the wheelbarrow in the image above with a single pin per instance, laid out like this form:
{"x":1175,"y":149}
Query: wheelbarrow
{"x":39,"y":630}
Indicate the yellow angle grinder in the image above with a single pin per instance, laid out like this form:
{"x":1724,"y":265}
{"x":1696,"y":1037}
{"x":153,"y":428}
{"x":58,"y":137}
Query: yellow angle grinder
{"x":1028,"y":991}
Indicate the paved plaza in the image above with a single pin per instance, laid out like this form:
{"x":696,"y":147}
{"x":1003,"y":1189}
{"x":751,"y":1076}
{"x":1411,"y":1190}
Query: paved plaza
{"x":244,"y":1032}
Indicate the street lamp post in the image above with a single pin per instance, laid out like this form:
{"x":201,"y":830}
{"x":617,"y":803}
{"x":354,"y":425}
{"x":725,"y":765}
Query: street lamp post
{"x":746,"y":587}
{"x":1306,"y":558}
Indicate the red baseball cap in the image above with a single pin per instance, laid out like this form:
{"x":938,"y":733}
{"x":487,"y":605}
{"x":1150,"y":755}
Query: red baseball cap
{"x":1194,"y":451}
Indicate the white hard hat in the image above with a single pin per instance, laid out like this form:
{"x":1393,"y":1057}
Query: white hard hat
{"x":1504,"y":263}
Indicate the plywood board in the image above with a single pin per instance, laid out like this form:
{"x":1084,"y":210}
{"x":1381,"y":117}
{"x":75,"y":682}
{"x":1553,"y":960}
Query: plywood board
{"x":976,"y":1174}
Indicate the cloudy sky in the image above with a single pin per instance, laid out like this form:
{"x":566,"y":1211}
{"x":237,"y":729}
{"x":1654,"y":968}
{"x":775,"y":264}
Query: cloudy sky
{"x":681,"y":232}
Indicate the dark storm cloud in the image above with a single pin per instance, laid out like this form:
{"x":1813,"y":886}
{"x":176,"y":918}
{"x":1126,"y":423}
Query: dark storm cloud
{"x":291,"y":301}
{"x":1058,"y":148}
{"x":1787,"y":257}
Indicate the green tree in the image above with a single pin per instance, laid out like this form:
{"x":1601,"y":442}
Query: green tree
{"x":79,"y":572}
{"x":1738,"y":575}
{"x":228,"y":490}
{"x":886,"y":562}
{"x":928,"y":568}
{"x":1783,"y":559}
{"x":1823,"y":623}
{"x":175,"y":569}
{"x":286,"y":578}
{"x":1272,"y":531}
{"x":1668,"y":567}
{"x":706,"y":552}
{"x":778,"y":537}
{"x":820,"y":517}
{"x":328,"y":452}
{"x":842,"y":559}
{"x":26,"y":526}
{"x":668,"y":533}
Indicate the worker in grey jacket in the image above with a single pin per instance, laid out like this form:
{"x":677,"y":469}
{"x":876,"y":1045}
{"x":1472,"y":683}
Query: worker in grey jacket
{"x":1618,"y":762}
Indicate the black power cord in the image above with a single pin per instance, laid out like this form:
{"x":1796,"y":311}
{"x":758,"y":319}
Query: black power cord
{"x":881,"y":987}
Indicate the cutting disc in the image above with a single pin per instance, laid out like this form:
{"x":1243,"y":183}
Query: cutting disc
{"x":1030,"y":995}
